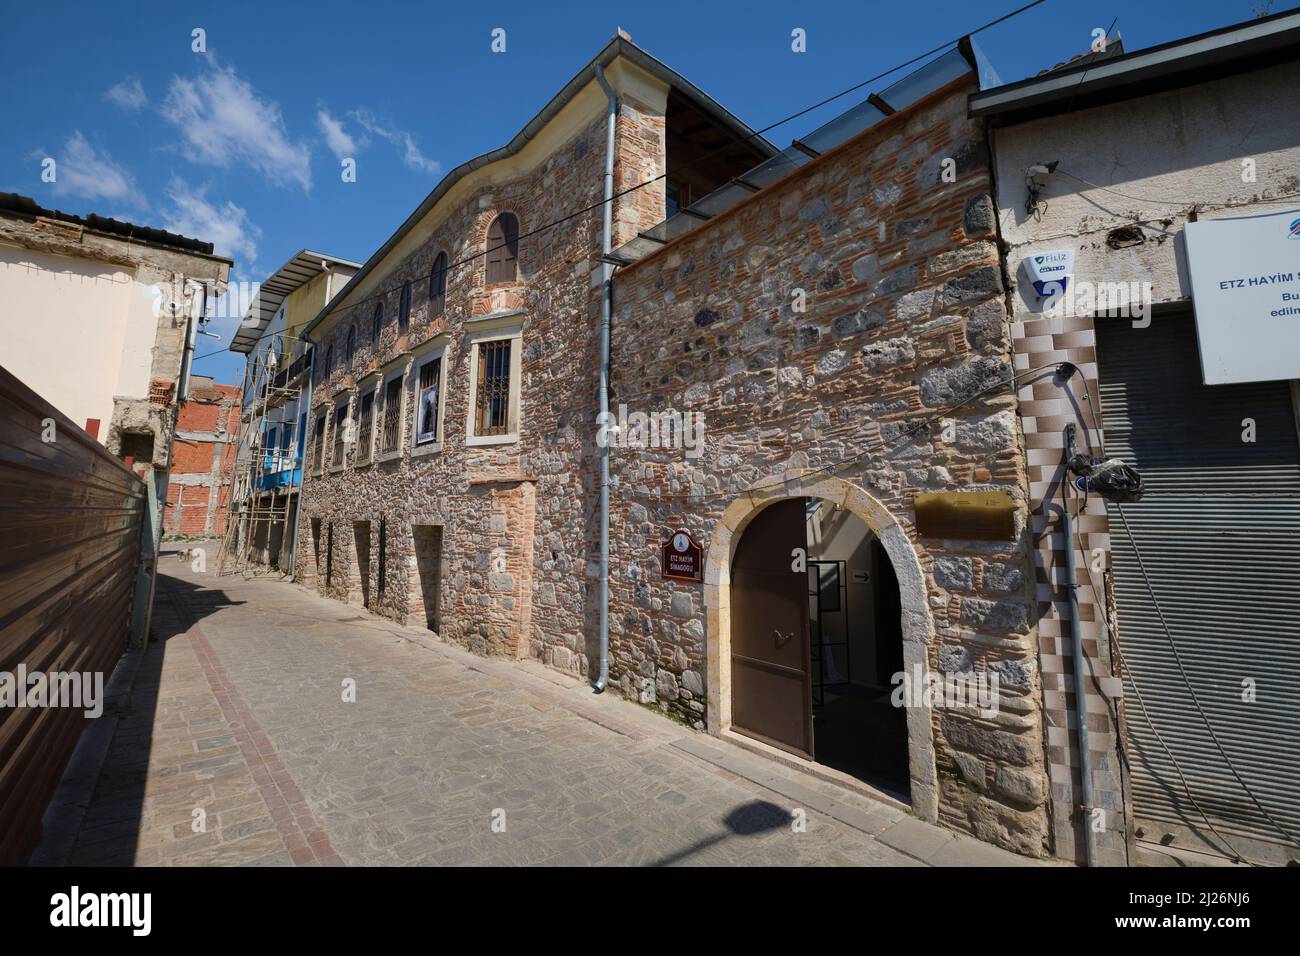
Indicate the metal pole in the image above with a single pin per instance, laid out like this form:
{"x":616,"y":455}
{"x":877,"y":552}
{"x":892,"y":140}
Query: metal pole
{"x":1076,"y":641}
{"x":606,"y":294}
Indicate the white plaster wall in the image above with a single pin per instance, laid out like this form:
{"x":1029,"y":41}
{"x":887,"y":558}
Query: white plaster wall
{"x":61,"y":318}
{"x":1182,"y":146}
{"x":133,"y":374}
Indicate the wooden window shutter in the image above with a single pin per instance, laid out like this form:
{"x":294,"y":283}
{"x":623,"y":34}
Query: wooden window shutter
{"x":438,"y":284}
{"x":404,"y":308}
{"x":503,"y":249}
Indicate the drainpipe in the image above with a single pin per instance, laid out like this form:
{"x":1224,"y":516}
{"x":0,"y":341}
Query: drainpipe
{"x":606,"y":297}
{"x":1076,"y":642}
{"x":198,"y":309}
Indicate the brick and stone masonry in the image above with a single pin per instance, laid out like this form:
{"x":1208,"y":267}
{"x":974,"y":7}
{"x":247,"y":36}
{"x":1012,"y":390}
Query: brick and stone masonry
{"x":507,"y":531}
{"x":905,"y":318}
{"x":198,"y":494}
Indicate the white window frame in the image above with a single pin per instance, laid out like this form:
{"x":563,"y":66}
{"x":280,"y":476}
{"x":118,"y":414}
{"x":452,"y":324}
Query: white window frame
{"x":435,"y":350}
{"x":510,"y":327}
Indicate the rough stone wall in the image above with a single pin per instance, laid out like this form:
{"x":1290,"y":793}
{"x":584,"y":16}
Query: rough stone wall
{"x":518,"y":520}
{"x":198,"y":491}
{"x":905,"y":316}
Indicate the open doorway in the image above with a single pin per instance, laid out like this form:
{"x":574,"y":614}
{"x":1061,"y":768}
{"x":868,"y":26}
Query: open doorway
{"x":815,"y":643}
{"x":361,"y":541}
{"x":428,"y":565}
{"x":856,"y":647}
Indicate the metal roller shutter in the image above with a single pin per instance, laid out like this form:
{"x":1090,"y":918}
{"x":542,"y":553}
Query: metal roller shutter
{"x":1219,"y":535}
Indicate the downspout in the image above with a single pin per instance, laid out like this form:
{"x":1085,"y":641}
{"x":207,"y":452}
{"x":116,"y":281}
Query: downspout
{"x":606,"y":298}
{"x":1076,"y":646}
{"x":199,"y":298}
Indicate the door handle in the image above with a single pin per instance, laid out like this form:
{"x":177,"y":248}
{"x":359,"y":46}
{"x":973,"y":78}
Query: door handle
{"x":781,"y":639}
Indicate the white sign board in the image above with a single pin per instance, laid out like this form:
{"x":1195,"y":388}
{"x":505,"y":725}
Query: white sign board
{"x":1246,"y":292}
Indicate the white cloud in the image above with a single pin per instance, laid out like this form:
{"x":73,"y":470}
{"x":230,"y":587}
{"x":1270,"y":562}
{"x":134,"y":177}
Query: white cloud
{"x":128,"y":94}
{"x":86,"y":171}
{"x":222,"y":119}
{"x":341,"y":143}
{"x":226,"y":226}
{"x":400,"y":138}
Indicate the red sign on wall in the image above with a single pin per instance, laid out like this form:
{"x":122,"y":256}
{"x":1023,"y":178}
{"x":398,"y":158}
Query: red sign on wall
{"x":683,"y":558}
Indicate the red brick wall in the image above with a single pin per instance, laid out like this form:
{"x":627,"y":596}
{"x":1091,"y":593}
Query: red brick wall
{"x":197,"y":496}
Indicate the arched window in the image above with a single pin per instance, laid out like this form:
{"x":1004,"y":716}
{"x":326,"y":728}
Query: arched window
{"x":404,"y":308}
{"x":377,"y":323}
{"x":329,"y":360}
{"x":438,"y":284}
{"x":503,"y":249}
{"x":352,"y":344}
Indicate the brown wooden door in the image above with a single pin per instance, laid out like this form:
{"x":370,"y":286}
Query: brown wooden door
{"x":771,"y":687}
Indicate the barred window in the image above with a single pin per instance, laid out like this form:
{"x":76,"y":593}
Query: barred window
{"x":404,"y":309}
{"x":365,"y":425}
{"x":318,"y":444}
{"x":427,"y":409}
{"x":341,"y":428}
{"x":438,"y":284}
{"x":392,"y":415}
{"x":492,"y":401}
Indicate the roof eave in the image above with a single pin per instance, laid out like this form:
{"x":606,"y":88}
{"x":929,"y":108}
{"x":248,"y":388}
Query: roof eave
{"x":618,"y":46}
{"x":1235,"y":49}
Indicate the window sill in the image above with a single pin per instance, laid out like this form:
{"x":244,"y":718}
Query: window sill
{"x":365,"y":463}
{"x":389,"y":455}
{"x":337,"y":468}
{"x":431,"y":448}
{"x":492,"y":439}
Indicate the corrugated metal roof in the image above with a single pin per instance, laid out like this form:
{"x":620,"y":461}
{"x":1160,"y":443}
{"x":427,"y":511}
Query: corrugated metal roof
{"x":935,"y":74}
{"x":294,"y":274}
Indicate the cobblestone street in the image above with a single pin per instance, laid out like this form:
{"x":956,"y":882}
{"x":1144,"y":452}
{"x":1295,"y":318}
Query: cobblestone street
{"x":236,"y":718}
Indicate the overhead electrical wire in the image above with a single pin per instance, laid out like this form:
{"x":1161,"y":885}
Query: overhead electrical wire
{"x":383,"y":293}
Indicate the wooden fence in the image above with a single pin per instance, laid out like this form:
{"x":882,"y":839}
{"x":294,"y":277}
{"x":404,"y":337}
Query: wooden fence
{"x":70,"y":524}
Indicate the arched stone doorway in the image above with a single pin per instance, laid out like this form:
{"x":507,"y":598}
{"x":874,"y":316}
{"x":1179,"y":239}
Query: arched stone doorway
{"x":917,"y":624}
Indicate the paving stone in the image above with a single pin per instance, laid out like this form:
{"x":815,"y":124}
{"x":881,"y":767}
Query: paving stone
{"x":435,"y":748}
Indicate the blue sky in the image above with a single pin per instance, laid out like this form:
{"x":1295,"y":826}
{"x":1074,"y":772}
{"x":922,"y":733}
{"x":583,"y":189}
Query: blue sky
{"x":240,"y":145}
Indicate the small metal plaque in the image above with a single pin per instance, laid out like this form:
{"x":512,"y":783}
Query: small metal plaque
{"x":683,"y":558}
{"x":970,"y":515}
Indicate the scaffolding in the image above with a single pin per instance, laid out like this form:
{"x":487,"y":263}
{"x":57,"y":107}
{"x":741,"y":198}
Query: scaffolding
{"x":265,"y":476}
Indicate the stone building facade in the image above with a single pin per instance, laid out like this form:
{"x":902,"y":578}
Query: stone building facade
{"x":844,"y":334}
{"x":488,"y":537}
{"x":903,"y":316}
